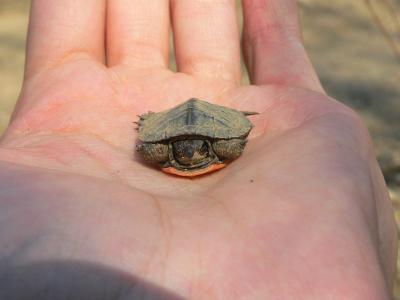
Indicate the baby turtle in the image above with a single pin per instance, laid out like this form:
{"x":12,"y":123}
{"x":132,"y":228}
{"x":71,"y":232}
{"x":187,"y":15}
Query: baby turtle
{"x":193,"y":138}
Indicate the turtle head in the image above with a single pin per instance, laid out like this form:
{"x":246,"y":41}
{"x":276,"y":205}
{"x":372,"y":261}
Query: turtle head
{"x":190,"y":152}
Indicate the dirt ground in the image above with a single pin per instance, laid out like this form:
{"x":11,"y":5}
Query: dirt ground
{"x":351,"y":55}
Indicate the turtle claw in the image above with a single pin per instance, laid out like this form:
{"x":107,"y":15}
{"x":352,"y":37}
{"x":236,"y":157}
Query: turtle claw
{"x":250,"y":113}
{"x":144,"y":116}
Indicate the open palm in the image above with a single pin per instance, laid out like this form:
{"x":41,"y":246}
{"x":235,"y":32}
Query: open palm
{"x":306,"y":195}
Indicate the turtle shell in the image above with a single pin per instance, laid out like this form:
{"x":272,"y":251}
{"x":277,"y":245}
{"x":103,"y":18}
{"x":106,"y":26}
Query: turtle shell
{"x":194,"y":118}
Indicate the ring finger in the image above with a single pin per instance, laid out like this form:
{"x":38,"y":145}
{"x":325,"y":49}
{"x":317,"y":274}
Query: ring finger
{"x":206,"y":36}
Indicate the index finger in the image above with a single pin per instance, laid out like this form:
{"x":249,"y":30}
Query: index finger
{"x":62,"y":29}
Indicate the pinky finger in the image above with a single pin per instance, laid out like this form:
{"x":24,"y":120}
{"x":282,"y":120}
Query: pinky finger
{"x":273,"y":45}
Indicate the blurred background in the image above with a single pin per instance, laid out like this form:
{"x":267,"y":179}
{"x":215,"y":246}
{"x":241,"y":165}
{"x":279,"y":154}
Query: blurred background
{"x":354,"y":45}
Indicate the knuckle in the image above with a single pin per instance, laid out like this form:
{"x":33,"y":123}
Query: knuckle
{"x":210,"y":68}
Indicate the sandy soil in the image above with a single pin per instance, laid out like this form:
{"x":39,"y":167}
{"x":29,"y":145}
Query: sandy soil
{"x":351,"y":55}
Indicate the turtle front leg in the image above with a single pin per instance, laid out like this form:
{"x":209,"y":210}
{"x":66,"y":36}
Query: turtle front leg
{"x":153,"y":153}
{"x":228,"y":149}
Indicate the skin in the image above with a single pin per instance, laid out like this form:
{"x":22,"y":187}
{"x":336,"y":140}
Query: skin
{"x":302,"y":214}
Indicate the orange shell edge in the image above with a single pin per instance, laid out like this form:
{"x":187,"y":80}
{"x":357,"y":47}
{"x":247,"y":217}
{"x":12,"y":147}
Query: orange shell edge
{"x":209,"y":169}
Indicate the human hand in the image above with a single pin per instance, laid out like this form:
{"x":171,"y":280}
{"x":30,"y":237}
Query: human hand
{"x":303,"y":214}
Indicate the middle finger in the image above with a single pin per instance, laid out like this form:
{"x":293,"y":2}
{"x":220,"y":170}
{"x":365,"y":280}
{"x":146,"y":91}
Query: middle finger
{"x":138,"y":33}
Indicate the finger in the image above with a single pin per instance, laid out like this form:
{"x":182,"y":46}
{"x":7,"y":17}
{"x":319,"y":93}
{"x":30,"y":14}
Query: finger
{"x":138,"y":32}
{"x":63,"y":29}
{"x":273,"y":46}
{"x":207,"y":42}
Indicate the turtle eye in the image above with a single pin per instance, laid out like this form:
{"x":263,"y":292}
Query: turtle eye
{"x":204,"y":149}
